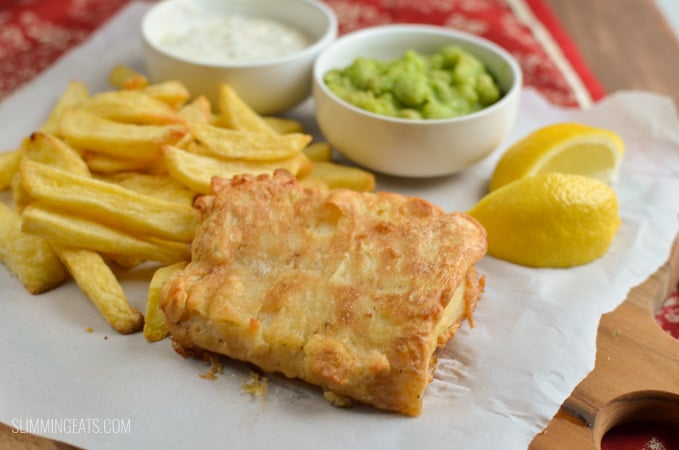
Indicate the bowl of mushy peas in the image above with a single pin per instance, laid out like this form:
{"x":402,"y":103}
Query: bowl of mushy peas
{"x":415,"y":100}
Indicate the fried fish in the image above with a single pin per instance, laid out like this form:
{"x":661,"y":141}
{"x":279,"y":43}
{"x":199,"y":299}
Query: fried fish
{"x":349,"y":291}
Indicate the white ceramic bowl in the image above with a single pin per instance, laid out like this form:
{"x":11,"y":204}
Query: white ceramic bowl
{"x":414,"y":148}
{"x":270,"y":86}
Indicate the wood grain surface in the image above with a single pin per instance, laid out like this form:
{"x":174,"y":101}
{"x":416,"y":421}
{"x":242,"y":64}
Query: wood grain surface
{"x":628,"y":45}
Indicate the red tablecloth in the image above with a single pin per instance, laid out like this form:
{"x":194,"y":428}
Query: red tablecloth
{"x":34,"y":33}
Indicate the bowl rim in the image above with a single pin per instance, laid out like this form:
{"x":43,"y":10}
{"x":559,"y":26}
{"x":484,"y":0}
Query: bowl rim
{"x":429,"y":29}
{"x":326,"y":38}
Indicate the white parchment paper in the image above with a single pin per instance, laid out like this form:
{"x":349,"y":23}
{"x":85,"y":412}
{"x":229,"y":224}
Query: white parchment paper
{"x":496,"y":385}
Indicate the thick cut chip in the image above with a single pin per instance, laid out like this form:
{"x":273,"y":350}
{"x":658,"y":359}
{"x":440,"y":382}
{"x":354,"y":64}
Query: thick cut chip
{"x":172,"y":92}
{"x":73,"y":231}
{"x":318,"y":151}
{"x":28,"y":257}
{"x":196,"y":171}
{"x":336,"y":176}
{"x":350,"y":291}
{"x":9,"y":164}
{"x":109,"y":203}
{"x":124,"y":77}
{"x":246,"y":145}
{"x":20,"y":198}
{"x":108,"y":164}
{"x":75,"y":92}
{"x":100,"y":285}
{"x":198,"y":110}
{"x":89,"y":131}
{"x":238,"y":115}
{"x":49,"y":150}
{"x":154,"y":320}
{"x":52,"y":151}
{"x":123,"y":262}
{"x":131,"y":106}
{"x":284,"y":125}
{"x":160,"y":186}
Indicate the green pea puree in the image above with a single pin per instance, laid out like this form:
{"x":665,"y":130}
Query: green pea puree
{"x":448,"y":83}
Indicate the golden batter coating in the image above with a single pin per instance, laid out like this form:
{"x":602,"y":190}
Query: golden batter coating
{"x":342,"y":289}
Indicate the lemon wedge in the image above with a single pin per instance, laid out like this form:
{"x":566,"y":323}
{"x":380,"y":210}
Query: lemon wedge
{"x":563,"y":147}
{"x":549,"y":220}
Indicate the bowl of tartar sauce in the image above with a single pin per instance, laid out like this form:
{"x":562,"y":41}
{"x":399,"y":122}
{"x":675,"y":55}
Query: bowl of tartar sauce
{"x":264,"y":49}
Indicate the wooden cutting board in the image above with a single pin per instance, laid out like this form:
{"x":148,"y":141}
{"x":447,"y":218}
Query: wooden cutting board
{"x":636,"y":373}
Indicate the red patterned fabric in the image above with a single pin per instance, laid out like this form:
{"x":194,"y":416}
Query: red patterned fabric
{"x":35,"y":33}
{"x":545,"y":16}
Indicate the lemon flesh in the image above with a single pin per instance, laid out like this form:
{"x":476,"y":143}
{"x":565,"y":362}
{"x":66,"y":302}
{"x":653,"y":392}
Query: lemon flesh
{"x":563,"y":147}
{"x":549,"y":220}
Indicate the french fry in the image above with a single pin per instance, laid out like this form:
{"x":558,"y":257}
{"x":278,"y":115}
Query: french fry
{"x":75,"y":92}
{"x":99,"y":284}
{"x":314,"y":183}
{"x":9,"y":164}
{"x":52,"y":151}
{"x":29,"y":257}
{"x":198,"y":110}
{"x":131,"y":106}
{"x":154,"y":321}
{"x":305,"y":166}
{"x":160,"y":186}
{"x":20,"y":198}
{"x":337,"y":176}
{"x":196,"y":171}
{"x":87,"y":268}
{"x":283,"y":125}
{"x":86,"y":130}
{"x":171,"y":92}
{"x":224,"y":143}
{"x":108,"y":164}
{"x":124,"y":77}
{"x":73,"y":231}
{"x":318,"y":151}
{"x":238,"y":115}
{"x":124,"y":262}
{"x":109,"y":204}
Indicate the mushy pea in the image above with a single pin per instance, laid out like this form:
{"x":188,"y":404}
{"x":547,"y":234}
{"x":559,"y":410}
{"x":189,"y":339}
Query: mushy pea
{"x":448,"y":83}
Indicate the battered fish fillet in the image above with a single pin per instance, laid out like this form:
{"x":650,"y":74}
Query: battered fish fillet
{"x":349,"y":291}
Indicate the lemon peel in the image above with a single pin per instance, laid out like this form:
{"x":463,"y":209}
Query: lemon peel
{"x":565,"y":147}
{"x":549,"y":220}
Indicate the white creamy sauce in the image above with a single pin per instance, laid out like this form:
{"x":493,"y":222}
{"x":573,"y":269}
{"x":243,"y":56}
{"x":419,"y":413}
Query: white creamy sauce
{"x":196,"y":35}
